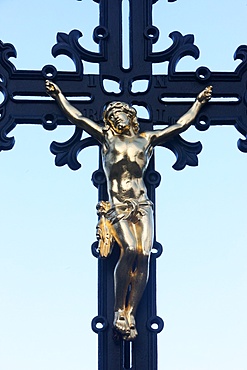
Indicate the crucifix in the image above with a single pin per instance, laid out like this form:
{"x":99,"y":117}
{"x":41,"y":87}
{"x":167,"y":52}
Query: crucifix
{"x":127,"y":217}
{"x":160,"y":87}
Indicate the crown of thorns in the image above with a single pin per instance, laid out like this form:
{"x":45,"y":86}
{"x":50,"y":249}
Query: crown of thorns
{"x":126,"y":108}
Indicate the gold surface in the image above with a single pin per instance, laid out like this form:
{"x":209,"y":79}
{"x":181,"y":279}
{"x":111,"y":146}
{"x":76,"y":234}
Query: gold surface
{"x":127,"y":217}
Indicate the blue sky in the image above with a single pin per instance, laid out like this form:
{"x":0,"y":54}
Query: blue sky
{"x":48,"y":276}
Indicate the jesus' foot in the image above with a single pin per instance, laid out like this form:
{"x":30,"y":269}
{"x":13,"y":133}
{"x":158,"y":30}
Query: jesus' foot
{"x":132,"y":325}
{"x":121,"y":323}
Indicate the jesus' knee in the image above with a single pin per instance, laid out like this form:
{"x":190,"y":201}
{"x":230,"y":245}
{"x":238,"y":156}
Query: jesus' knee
{"x":131,"y":251}
{"x":143,"y":262}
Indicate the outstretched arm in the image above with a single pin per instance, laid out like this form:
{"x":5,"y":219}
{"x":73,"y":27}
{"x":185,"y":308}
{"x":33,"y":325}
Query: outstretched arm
{"x":73,"y":114}
{"x":184,"y":122}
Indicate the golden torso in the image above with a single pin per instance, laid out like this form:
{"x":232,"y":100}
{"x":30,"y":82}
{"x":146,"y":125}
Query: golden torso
{"x":125,"y":159}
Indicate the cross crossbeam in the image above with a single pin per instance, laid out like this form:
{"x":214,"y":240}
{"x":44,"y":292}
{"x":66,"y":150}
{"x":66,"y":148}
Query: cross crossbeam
{"x":227,"y":108}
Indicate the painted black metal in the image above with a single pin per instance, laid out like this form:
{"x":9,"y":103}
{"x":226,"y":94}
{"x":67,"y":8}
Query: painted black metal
{"x":108,"y":35}
{"x":114,"y":354}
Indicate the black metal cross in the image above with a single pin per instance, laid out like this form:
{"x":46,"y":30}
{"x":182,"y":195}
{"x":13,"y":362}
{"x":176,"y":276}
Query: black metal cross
{"x":227,"y":108}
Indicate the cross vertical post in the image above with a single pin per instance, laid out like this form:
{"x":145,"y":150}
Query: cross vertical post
{"x":114,"y":352}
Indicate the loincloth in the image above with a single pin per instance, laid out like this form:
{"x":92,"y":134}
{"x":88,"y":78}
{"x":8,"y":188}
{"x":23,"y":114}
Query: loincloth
{"x":130,"y":210}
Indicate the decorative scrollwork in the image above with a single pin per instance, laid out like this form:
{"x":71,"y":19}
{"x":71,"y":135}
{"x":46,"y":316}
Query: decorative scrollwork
{"x":6,"y":143}
{"x":7,"y":51}
{"x":185,"y":152}
{"x":67,"y":152}
{"x":241,"y":53}
{"x":68,"y":44}
{"x":182,"y":46}
{"x":242,"y":145}
{"x":107,"y":35}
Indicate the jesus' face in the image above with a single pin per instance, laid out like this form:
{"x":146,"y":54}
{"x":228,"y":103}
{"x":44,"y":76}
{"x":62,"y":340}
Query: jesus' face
{"x":120,"y":121}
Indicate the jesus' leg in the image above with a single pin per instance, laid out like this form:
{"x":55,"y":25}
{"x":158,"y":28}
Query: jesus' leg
{"x":123,"y":234}
{"x":139,"y":277}
{"x":138,"y":283}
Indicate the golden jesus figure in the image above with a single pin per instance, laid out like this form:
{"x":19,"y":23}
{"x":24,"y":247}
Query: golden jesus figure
{"x":127,"y":217}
